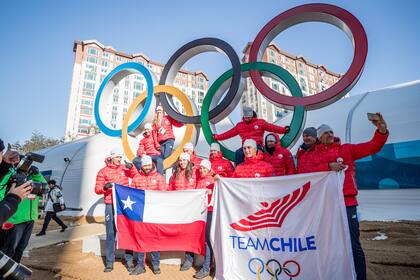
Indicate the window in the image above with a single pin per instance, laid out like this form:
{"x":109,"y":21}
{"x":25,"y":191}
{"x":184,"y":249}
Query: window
{"x":301,"y":72}
{"x":114,"y":109}
{"x":90,"y":76}
{"x":93,"y":51}
{"x":275,"y":86}
{"x":89,"y":85}
{"x":125,"y":100}
{"x":114,"y":117}
{"x":272,"y":53}
{"x":102,"y":78}
{"x":300,"y":65}
{"x":118,"y":58}
{"x":115,"y":98}
{"x":92,"y":59}
{"x":83,"y":129}
{"x":87,"y":102}
{"x":105,"y":63}
{"x":104,"y":70}
{"x":84,"y":122}
{"x":88,"y":93}
{"x":90,"y":68}
{"x":137,"y":86}
{"x":105,"y":55}
{"x":86,"y":110}
{"x":272,"y":60}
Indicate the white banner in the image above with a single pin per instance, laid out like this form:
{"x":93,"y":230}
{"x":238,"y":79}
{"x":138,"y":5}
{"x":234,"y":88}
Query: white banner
{"x":290,"y":227}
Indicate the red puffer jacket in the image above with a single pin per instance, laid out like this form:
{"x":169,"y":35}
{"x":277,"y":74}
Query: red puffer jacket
{"x":149,"y":146}
{"x":206,"y":182}
{"x":152,"y":181}
{"x":164,"y":131}
{"x":112,"y":173}
{"x":253,"y":130}
{"x":221,"y":166}
{"x":254,"y":168}
{"x":305,"y":159}
{"x":349,"y":153}
{"x":281,"y":159}
{"x":182,"y":183}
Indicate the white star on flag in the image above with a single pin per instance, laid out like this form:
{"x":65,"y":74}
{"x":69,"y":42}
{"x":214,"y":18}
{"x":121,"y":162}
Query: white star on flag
{"x":128,"y":203}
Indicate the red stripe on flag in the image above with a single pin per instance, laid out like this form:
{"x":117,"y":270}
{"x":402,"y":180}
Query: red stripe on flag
{"x":148,"y":237}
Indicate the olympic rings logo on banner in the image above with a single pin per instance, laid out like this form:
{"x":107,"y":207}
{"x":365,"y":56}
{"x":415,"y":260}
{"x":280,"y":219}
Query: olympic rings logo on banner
{"x":225,"y":93}
{"x":273,"y":268}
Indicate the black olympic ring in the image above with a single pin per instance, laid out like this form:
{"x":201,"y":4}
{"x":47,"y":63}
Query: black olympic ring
{"x":178,"y":59}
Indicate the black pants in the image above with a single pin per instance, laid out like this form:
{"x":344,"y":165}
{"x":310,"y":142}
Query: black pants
{"x":358,"y":254}
{"x":51,"y":215}
{"x":17,"y":239}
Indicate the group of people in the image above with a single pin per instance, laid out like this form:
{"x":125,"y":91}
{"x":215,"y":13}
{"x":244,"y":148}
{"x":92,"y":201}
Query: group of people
{"x":258,"y":157}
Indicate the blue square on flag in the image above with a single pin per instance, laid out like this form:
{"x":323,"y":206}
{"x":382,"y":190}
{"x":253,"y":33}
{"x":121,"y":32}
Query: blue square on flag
{"x":130,"y":202}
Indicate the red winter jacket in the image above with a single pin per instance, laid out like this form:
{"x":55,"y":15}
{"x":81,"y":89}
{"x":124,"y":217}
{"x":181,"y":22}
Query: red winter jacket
{"x":253,"y":130}
{"x":221,"y":166}
{"x":254,"y":168}
{"x":152,"y":181}
{"x":182,"y":183}
{"x":112,"y":173}
{"x":324,"y":154}
{"x":164,"y":131}
{"x":206,"y":182}
{"x":148,"y":145}
{"x":305,"y":159}
{"x":281,"y":159}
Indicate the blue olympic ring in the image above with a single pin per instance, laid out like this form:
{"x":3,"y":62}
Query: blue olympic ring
{"x":117,"y":74}
{"x":258,"y":260}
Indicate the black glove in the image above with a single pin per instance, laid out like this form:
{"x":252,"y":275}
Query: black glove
{"x":107,"y":186}
{"x":287,"y":129}
{"x":128,"y":165}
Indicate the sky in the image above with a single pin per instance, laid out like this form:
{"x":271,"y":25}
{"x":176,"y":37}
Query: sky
{"x":36,"y":45}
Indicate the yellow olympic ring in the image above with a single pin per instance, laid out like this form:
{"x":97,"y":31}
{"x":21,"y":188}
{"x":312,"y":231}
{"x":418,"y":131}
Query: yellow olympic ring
{"x":188,"y":133}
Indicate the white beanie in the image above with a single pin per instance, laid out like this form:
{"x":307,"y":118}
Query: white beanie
{"x":116,"y":152}
{"x":215,"y":147}
{"x":189,"y":146}
{"x":148,"y":126}
{"x":271,"y":137}
{"x":250,"y":143}
{"x":145,"y":160}
{"x":205,"y":163}
{"x":247,"y":112}
{"x":322,"y":129}
{"x":184,"y":156}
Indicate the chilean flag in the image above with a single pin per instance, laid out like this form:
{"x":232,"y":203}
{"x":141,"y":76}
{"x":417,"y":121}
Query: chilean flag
{"x":149,"y":221}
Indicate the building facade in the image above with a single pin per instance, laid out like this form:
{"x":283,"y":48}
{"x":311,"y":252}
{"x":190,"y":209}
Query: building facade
{"x":93,"y":61}
{"x":312,"y":79}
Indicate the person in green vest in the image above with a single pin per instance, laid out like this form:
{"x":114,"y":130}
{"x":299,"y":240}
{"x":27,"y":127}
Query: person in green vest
{"x":17,"y":237}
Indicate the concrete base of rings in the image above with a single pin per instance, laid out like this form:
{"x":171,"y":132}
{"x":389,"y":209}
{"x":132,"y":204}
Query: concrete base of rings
{"x":96,"y":244}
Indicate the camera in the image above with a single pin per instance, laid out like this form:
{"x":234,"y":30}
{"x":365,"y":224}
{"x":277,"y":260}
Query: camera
{"x":9,"y":269}
{"x":24,"y":169}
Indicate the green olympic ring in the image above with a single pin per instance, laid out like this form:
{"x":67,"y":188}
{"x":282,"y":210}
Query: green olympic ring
{"x":276,"y":72}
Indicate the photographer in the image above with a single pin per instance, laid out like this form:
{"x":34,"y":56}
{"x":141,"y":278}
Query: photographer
{"x":7,"y":160}
{"x":54,"y":196}
{"x":17,"y":237}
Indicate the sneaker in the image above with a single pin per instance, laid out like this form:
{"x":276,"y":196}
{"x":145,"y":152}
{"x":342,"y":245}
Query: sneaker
{"x":63,"y":229}
{"x":129,"y":266}
{"x":156,"y":270}
{"x":186,"y":265}
{"x":202,"y":273}
{"x":138,"y":270}
{"x":40,"y":233}
{"x":109,"y":267}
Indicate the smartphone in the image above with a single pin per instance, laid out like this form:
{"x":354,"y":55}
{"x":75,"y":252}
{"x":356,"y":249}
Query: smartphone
{"x":373,"y":117}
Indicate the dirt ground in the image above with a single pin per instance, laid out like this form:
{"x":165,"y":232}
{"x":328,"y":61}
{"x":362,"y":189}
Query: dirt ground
{"x":392,"y":252}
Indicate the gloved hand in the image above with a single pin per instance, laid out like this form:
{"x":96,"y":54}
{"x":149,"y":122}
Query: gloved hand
{"x":287,"y":128}
{"x":107,"y":186}
{"x":128,"y":165}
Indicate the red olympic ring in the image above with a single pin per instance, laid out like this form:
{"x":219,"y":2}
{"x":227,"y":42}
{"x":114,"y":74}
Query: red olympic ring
{"x":305,"y":13}
{"x":287,"y":271}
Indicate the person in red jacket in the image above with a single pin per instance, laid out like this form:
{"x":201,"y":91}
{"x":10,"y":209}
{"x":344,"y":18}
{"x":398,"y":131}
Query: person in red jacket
{"x":162,"y":129}
{"x":113,"y":172}
{"x":220,"y":165}
{"x":149,"y":146}
{"x":206,"y":181}
{"x":330,"y":154}
{"x":194,"y":159}
{"x":304,"y":156}
{"x":250,"y":128}
{"x":254,"y":165}
{"x":148,"y":179}
{"x":184,"y":177}
{"x":278,"y":156}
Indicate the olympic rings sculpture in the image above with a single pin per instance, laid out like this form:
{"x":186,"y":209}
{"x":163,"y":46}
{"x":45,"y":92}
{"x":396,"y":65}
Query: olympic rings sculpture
{"x":215,"y":108}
